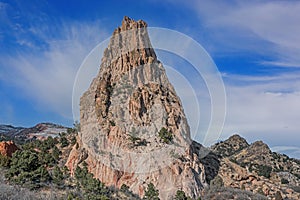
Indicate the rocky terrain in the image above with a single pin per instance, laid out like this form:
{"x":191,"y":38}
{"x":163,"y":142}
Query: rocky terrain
{"x":134,"y":142}
{"x":254,"y":167}
{"x":133,"y":127}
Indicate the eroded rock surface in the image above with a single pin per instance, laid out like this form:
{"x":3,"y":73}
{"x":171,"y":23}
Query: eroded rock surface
{"x":126,"y":106}
{"x":7,"y":148}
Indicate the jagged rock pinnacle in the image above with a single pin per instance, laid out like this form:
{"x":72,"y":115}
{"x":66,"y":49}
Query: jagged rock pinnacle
{"x":130,"y":45}
{"x":128,"y":24}
{"x":125,"y":116}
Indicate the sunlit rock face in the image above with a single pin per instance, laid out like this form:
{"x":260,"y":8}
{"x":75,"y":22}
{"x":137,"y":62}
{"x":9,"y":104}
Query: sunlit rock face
{"x":133,"y":127}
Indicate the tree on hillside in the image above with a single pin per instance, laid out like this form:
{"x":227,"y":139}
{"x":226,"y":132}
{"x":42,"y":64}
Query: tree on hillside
{"x":180,"y":195}
{"x":165,"y":135}
{"x":151,"y":193}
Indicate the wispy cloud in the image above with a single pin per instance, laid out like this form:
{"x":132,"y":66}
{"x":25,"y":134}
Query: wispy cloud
{"x":270,"y":28}
{"x":264,"y":108}
{"x":292,"y":151}
{"x":46,"y":75}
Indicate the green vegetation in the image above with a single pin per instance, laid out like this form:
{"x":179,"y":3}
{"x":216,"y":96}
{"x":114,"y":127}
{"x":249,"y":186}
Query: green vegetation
{"x":297,"y":175}
{"x":284,"y":181}
{"x":92,"y":188}
{"x":264,"y":170}
{"x":75,"y":129}
{"x":180,"y":195}
{"x":64,"y":142}
{"x":36,"y":164}
{"x":151,"y":193}
{"x":217,"y":182}
{"x":165,"y":135}
{"x":232,"y":159}
{"x":4,"y":161}
{"x":137,"y":141}
{"x":124,"y":188}
{"x":73,"y":140}
{"x":57,"y":176}
{"x":39,"y":166}
{"x":112,"y":123}
{"x":26,"y":169}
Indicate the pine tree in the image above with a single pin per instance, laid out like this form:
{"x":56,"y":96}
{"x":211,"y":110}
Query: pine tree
{"x":151,"y":193}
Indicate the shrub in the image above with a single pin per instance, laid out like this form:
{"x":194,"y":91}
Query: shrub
{"x":112,"y":123}
{"x":57,"y":175}
{"x":165,"y":135}
{"x":70,"y":130}
{"x":217,"y":182}
{"x":284,"y":181}
{"x":134,"y":139}
{"x":297,"y":175}
{"x":63,"y":141}
{"x":180,"y":195}
{"x":264,"y":170}
{"x":137,"y":141}
{"x":41,"y":175}
{"x":56,"y":153}
{"x":24,"y":161}
{"x":124,"y":188}
{"x":4,"y":161}
{"x":47,"y":144}
{"x":151,"y":193}
{"x":73,"y":140}
{"x":93,"y":188}
{"x":25,"y":168}
{"x":232,"y":159}
{"x":46,"y":159}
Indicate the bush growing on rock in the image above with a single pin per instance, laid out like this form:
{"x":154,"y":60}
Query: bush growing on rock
{"x":151,"y":193}
{"x":180,"y":195}
{"x":165,"y":135}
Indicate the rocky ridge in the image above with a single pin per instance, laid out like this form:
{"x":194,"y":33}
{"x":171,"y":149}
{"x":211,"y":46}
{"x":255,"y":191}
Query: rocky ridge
{"x":257,"y":169}
{"x":39,"y":131}
{"x":133,"y":127}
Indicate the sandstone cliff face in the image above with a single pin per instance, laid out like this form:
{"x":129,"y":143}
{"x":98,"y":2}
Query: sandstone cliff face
{"x":127,"y":105}
{"x":8,"y":148}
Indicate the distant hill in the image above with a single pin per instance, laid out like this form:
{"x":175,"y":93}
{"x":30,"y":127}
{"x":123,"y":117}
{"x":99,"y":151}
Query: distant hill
{"x":39,"y":131}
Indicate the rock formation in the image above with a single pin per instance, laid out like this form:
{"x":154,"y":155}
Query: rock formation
{"x":233,"y":144}
{"x":7,"y":148}
{"x":40,"y":131}
{"x":256,"y":168}
{"x":133,"y":127}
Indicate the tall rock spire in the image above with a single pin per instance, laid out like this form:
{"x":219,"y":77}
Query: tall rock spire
{"x":133,"y":127}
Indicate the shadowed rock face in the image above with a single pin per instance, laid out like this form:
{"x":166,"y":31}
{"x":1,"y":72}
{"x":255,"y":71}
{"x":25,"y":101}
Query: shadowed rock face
{"x":121,"y":114}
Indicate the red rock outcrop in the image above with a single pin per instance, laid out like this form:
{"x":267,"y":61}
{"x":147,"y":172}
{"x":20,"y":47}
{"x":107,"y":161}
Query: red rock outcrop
{"x":7,"y":148}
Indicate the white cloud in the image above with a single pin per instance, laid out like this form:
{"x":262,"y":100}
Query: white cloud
{"x":292,"y":151}
{"x":264,"y":109}
{"x":46,"y":75}
{"x":267,"y":27}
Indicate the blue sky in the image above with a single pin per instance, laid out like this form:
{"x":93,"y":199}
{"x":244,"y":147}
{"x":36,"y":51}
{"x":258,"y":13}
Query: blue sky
{"x":256,"y":46}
